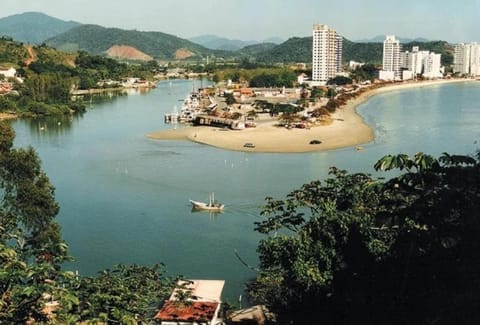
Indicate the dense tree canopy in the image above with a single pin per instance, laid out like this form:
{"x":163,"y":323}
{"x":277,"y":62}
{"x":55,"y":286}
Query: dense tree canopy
{"x":355,"y":249}
{"x":31,"y":247}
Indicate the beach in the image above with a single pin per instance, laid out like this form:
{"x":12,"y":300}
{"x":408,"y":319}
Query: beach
{"x":346,"y":130}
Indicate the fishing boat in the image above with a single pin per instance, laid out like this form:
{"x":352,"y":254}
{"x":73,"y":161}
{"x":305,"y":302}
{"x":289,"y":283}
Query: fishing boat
{"x":212,"y":205}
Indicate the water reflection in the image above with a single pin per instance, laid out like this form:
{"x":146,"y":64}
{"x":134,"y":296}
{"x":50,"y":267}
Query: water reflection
{"x":52,"y":125}
{"x":111,"y":95}
{"x":102,"y":97}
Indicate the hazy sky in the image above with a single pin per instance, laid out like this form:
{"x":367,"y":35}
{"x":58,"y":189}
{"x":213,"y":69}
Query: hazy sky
{"x":453,"y":21}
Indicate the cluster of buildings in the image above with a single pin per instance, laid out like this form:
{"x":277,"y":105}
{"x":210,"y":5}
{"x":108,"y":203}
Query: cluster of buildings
{"x":397,"y":65}
{"x":467,"y":59}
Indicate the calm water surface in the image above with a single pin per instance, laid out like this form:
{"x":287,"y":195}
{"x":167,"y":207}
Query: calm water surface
{"x":124,"y":198}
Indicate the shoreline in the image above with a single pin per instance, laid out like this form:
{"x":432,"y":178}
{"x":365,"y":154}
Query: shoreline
{"x":7,"y":116}
{"x":348,"y":129}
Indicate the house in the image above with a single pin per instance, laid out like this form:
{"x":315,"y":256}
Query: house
{"x":193,"y":302}
{"x":8,"y":72}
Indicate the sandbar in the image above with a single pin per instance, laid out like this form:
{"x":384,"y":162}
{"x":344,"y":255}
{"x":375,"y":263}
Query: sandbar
{"x":347,"y":129}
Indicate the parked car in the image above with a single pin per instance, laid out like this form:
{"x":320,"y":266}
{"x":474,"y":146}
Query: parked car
{"x":249,"y":145}
{"x":314,"y":141}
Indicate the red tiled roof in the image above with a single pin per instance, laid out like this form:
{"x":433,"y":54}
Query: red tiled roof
{"x":197,"y":311}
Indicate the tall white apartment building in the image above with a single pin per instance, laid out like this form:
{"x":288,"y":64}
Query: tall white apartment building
{"x":467,"y":59}
{"x":391,"y":59}
{"x":326,"y":54}
{"x":432,"y":67}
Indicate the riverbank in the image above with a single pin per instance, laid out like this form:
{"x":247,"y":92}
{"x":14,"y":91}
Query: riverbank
{"x":347,"y":129}
{"x":7,"y":116}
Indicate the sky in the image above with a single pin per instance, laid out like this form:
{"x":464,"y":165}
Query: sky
{"x":452,"y":21}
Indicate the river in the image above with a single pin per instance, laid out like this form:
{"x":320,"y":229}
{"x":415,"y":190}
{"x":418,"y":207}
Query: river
{"x":124,"y":198}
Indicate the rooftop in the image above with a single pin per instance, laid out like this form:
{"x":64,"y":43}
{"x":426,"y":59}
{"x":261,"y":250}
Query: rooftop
{"x":201,"y":290}
{"x":198,"y":311}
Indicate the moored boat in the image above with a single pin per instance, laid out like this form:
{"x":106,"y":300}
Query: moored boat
{"x":212,"y":205}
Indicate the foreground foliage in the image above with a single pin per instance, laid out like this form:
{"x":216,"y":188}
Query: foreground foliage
{"x":355,"y":249}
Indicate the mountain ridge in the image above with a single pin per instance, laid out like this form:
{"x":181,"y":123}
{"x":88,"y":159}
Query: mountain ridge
{"x":216,"y":42}
{"x":33,"y":27}
{"x":97,"y":39}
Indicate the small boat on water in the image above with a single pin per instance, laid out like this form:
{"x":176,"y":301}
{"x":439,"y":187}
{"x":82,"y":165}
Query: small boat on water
{"x":212,"y":205}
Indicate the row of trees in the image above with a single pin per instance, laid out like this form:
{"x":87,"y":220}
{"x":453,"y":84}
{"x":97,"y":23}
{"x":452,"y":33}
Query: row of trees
{"x":259,"y":77}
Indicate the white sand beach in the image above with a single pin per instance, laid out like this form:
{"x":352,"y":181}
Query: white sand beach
{"x":347,"y":129}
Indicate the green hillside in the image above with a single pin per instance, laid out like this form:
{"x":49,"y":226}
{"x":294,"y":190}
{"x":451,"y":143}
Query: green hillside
{"x":33,"y":27}
{"x":362,"y":52}
{"x":298,"y":49}
{"x":11,"y":52}
{"x":96,"y":40}
{"x":256,"y":49}
{"x":295,"y":49}
{"x":440,"y":47}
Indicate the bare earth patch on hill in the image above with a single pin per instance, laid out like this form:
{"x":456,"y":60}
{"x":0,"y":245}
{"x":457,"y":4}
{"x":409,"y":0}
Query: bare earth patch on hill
{"x":181,"y":54}
{"x":128,"y":52}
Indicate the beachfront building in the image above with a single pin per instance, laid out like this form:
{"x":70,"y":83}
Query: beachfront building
{"x":413,"y":61}
{"x":467,"y":59}
{"x":432,"y":67}
{"x":391,"y":68}
{"x":326,"y":54}
{"x":420,"y":63}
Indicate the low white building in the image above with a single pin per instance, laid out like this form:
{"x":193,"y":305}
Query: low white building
{"x":386,"y":75}
{"x":407,"y":75}
{"x":354,"y":65}
{"x":302,"y":78}
{"x":8,"y":72}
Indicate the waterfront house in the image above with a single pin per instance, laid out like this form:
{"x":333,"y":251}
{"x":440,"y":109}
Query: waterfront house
{"x":193,"y":302}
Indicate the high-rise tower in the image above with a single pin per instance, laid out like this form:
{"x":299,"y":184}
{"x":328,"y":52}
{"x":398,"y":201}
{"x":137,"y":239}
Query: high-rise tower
{"x":391,"y":56}
{"x":326,"y":54}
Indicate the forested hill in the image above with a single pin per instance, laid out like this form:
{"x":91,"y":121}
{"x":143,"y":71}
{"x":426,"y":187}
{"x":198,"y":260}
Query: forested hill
{"x":97,"y":40}
{"x":298,"y":49}
{"x":33,"y":27}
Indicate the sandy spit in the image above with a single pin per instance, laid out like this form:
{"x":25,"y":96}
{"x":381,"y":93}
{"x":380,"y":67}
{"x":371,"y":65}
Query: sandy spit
{"x":347,"y":129}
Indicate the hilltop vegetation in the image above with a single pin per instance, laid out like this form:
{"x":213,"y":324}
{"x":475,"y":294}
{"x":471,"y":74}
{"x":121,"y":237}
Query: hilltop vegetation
{"x":33,"y":27}
{"x":97,"y":40}
{"x":11,"y":52}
